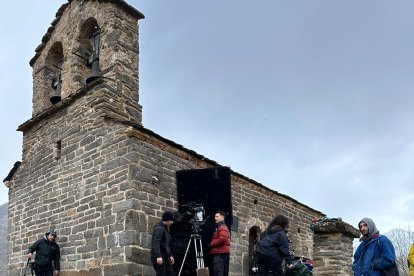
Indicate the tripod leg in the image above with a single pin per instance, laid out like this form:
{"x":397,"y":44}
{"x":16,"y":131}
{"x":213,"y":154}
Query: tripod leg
{"x":185,"y":256}
{"x":199,"y":252}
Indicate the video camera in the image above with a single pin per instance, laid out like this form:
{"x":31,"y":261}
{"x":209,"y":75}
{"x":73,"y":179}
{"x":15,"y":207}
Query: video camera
{"x":194,"y":211}
{"x":195,"y":214}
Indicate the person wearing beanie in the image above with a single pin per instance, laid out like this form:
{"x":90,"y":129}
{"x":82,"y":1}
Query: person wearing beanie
{"x":161,"y":257}
{"x":375,"y":252}
{"x":167,"y":216}
{"x":47,"y":260}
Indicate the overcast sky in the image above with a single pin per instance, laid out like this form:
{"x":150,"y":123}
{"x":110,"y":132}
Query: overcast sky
{"x":314,"y":99}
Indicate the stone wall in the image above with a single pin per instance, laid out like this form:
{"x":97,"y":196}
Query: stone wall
{"x":73,"y":166}
{"x":268,"y":203}
{"x":254,"y":205}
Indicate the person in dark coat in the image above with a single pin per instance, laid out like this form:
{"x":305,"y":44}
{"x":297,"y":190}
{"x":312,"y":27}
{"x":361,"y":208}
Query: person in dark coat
{"x":220,"y":246}
{"x":47,"y":260}
{"x":161,"y":256}
{"x":180,"y":232}
{"x":273,"y":248}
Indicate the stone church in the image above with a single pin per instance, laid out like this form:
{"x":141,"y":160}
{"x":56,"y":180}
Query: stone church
{"x":91,"y":171}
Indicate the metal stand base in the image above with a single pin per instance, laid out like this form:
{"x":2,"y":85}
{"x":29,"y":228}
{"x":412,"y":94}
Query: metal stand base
{"x":201,"y":270}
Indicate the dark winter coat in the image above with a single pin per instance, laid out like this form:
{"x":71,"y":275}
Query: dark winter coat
{"x":46,"y":253}
{"x":180,"y":232}
{"x":160,"y":244}
{"x":274,"y":243}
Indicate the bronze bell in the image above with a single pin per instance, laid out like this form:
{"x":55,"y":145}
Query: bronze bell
{"x":56,"y":97}
{"x":95,"y":71}
{"x":57,"y":85}
{"x":93,"y":60}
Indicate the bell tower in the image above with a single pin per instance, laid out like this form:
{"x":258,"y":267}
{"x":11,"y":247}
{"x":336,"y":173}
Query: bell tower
{"x":75,"y":170}
{"x":89,"y":42}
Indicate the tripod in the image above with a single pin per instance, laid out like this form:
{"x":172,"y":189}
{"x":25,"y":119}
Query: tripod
{"x":196,"y":238}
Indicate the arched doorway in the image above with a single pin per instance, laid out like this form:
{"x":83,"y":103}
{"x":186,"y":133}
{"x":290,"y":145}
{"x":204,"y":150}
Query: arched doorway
{"x":254,"y":236}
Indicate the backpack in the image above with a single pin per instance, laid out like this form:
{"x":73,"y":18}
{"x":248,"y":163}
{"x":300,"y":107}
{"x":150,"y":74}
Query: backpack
{"x":298,"y":269}
{"x":391,"y":270}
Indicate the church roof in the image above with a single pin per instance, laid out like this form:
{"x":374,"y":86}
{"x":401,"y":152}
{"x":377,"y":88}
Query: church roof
{"x":12,"y":171}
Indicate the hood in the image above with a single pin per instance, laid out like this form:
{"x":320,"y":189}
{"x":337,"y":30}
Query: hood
{"x":372,"y":228}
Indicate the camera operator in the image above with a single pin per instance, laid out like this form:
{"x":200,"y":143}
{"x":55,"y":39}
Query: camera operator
{"x":220,"y":246}
{"x":161,"y":256}
{"x":47,"y":252}
{"x":180,"y":232}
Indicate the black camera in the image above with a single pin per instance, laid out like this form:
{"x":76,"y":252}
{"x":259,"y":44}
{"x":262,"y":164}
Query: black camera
{"x":195,"y":215}
{"x":194,"y":211}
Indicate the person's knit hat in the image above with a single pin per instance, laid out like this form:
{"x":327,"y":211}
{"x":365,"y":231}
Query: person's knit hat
{"x":167,"y":216}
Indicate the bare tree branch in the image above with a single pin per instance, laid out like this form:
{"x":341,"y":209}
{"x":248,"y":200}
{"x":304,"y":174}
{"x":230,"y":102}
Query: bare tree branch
{"x":402,"y":238}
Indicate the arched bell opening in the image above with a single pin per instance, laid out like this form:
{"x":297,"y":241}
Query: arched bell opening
{"x":53,"y":73}
{"x":88,"y":52}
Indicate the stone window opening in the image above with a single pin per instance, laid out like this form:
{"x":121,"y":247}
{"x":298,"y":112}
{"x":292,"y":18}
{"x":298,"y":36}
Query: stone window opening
{"x":57,"y":151}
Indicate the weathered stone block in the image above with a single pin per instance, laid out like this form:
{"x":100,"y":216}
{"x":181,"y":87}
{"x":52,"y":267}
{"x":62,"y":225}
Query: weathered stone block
{"x":137,"y":255}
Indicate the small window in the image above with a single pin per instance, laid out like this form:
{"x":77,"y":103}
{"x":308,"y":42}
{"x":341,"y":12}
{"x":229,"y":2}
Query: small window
{"x":57,"y":154}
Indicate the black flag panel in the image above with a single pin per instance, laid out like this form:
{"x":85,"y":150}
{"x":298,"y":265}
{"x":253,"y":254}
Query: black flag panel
{"x":209,"y":187}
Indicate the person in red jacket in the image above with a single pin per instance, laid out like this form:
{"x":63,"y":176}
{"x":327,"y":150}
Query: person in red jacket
{"x":220,"y":246}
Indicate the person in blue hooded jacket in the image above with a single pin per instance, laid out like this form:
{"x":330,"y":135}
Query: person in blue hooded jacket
{"x":375,"y":251}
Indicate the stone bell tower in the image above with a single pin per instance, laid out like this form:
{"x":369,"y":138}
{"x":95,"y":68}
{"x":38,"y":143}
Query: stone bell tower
{"x":89,"y":40}
{"x":74,"y":171}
